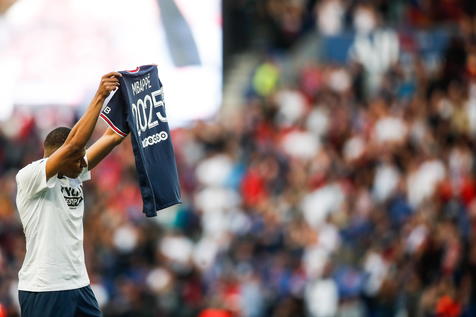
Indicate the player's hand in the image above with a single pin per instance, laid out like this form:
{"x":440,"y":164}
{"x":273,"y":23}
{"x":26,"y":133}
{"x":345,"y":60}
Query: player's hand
{"x":109,"y":83}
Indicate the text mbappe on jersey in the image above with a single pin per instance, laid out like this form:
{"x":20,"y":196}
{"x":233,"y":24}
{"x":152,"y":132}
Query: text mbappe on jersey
{"x":142,"y":84}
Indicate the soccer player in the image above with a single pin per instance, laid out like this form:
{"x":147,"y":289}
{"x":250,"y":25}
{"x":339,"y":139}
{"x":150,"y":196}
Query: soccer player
{"x":53,"y":280}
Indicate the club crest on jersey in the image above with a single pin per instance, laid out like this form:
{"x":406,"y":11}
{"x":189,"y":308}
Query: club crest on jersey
{"x":73,"y":196}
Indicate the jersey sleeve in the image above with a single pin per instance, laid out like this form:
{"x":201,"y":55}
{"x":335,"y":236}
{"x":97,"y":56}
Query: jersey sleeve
{"x":85,"y":173}
{"x":115,"y":115}
{"x":31,"y":179}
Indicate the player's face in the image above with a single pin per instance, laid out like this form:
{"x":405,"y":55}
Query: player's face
{"x":73,"y":169}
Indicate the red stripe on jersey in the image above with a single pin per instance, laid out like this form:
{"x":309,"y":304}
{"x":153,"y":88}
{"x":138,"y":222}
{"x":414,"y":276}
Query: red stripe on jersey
{"x":109,"y":122}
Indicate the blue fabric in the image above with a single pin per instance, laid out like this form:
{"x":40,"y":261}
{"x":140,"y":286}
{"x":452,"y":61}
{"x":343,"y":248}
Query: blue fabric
{"x":138,"y":108}
{"x":69,"y":303}
{"x":399,"y":210}
{"x":350,"y":282}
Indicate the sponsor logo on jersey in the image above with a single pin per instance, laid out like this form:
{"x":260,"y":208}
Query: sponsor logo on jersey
{"x":73,"y":196}
{"x":154,"y":139}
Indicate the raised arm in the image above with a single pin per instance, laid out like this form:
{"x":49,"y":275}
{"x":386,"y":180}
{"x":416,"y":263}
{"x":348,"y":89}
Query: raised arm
{"x":102,"y":147}
{"x":73,"y":148}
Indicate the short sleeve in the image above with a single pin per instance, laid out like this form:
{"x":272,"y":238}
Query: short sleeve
{"x":31,"y":179}
{"x":85,"y":174}
{"x":115,"y":115}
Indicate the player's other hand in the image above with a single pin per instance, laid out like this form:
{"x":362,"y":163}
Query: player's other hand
{"x":109,"y":83}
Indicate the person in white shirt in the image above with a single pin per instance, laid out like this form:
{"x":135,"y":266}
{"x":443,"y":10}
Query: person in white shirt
{"x":53,"y":280}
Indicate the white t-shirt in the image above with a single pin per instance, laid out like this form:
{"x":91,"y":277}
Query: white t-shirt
{"x":52,"y":216}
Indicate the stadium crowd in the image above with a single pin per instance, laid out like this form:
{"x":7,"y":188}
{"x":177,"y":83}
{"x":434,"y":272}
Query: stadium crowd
{"x":328,"y":193}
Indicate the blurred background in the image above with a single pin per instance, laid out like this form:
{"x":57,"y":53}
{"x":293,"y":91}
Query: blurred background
{"x":325,"y":150}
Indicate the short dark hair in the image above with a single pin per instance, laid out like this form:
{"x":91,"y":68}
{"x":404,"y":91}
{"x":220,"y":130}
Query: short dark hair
{"x":56,"y":138}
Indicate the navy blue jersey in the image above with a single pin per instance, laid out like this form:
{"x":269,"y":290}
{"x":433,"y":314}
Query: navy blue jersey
{"x":138,"y":107}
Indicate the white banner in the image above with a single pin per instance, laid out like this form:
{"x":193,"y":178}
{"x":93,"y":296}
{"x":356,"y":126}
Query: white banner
{"x":53,"y":52}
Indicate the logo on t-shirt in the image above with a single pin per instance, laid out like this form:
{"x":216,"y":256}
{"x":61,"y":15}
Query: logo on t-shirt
{"x":73,"y":196}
